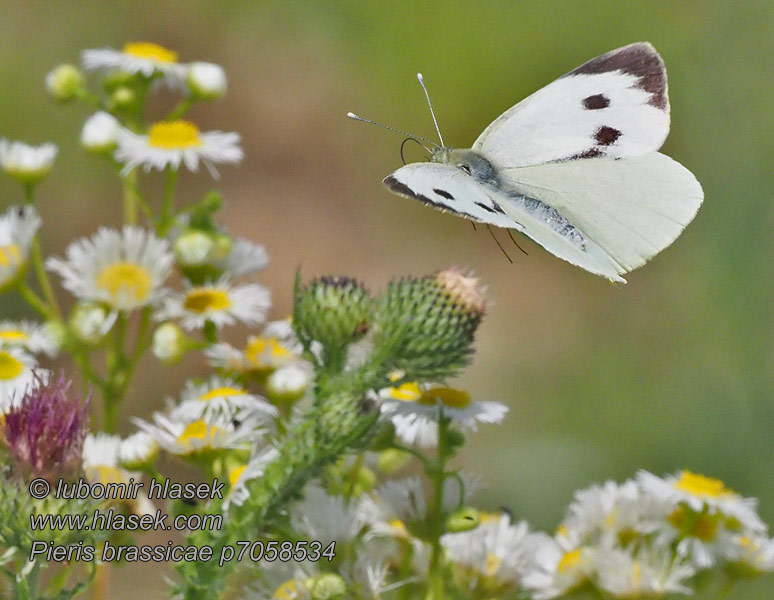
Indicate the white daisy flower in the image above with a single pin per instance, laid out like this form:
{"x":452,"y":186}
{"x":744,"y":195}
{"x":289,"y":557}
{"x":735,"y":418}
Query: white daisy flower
{"x":222,"y":303}
{"x":220,"y":396}
{"x":100,"y":132}
{"x":202,"y":435}
{"x":101,"y":464}
{"x":240,"y":475}
{"x":144,"y":58}
{"x":326,"y":518}
{"x":648,"y":573}
{"x":124,"y":269}
{"x":392,"y":505}
{"x":415,"y":410}
{"x":698,"y":492}
{"x":496,"y":554}
{"x":27,"y":164}
{"x":18,"y":227}
{"x":16,"y":376}
{"x":26,"y":335}
{"x":558,"y":568}
{"x":138,"y":450}
{"x":170,"y":143}
{"x":206,"y":80}
{"x":750,"y":554}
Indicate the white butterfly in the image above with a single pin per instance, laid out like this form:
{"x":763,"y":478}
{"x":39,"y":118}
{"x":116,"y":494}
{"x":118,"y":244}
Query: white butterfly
{"x":574,"y":166}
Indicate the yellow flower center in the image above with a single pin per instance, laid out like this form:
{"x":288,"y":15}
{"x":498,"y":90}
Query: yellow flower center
{"x":266,"y":352}
{"x":13,"y":335}
{"x":10,"y":367}
{"x":562,"y":530}
{"x":125,"y":279}
{"x":234,"y":474}
{"x":449,"y":397}
{"x":201,"y":432}
{"x":493,"y":563}
{"x":698,"y":485}
{"x":222,"y":392}
{"x":570,"y":561}
{"x":490,"y":517}
{"x":10,"y":255}
{"x":174,"y":135}
{"x":104,"y":474}
{"x":206,"y":300}
{"x":150,"y":51}
{"x":399,"y":528}
{"x":287,"y":591}
{"x":698,"y":525}
{"x":408,"y":392}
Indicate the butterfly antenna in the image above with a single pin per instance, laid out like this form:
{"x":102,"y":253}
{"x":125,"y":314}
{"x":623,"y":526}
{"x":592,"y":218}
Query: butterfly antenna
{"x":355,"y":117}
{"x":430,"y":104}
{"x":513,"y":239}
{"x":494,"y":237}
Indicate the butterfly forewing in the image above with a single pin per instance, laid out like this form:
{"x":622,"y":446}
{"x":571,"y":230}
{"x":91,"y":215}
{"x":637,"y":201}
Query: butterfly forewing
{"x":615,"y":105}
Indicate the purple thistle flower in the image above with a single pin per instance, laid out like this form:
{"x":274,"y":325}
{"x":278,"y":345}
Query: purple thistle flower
{"x":45,"y":431}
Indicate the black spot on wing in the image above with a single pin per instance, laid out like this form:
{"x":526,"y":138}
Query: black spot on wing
{"x":492,"y":208}
{"x":590,"y":153}
{"x":596,"y":102}
{"x":606,"y":136}
{"x":443,"y":193}
{"x":402,"y":189}
{"x":640,"y":60}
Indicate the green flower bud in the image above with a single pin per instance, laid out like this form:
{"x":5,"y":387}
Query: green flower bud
{"x":334,"y":311}
{"x":116,"y":79}
{"x":463,"y":519}
{"x":193,"y":248}
{"x":222,"y":245}
{"x":122,"y":98}
{"x":90,"y":322}
{"x":430,"y":323}
{"x":64,"y":83}
{"x":328,"y":586}
{"x":392,"y":460}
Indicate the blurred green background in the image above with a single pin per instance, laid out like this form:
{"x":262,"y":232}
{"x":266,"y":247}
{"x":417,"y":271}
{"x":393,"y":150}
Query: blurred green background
{"x":674,"y":370}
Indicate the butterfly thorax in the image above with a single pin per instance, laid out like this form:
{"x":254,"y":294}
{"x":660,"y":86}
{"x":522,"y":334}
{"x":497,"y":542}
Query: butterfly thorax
{"x":469,"y":161}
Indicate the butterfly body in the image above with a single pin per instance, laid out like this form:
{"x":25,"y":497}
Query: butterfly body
{"x":574,"y":166}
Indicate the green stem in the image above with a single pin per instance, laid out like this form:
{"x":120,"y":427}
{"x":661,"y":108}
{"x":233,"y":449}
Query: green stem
{"x":168,"y":206}
{"x":115,"y":381}
{"x":36,"y":258}
{"x":131,"y":197}
{"x":35,"y":301}
{"x":182,"y":108}
{"x":437,"y":473}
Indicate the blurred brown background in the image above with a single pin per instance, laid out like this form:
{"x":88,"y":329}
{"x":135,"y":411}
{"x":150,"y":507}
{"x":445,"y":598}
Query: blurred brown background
{"x":673,"y":370}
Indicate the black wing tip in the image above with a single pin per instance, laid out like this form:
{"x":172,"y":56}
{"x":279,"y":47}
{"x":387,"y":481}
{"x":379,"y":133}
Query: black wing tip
{"x":640,"y":59}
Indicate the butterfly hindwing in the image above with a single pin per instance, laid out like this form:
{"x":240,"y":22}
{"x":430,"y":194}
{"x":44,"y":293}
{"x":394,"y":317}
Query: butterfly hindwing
{"x":630,"y":208}
{"x":615,"y":105}
{"x":449,"y":189}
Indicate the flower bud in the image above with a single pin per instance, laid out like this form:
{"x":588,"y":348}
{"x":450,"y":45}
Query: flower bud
{"x":334,"y":311}
{"x":193,"y":248}
{"x":100,"y":132}
{"x":27,"y":164}
{"x":169,"y":343}
{"x":64,"y":83}
{"x":91,"y":322}
{"x":463,"y":519}
{"x":392,"y":460}
{"x":206,"y":80}
{"x":431,"y":322}
{"x":122,"y":98}
{"x":288,"y":383}
{"x":328,"y":586}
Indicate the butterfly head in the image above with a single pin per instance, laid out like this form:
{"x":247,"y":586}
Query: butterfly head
{"x":469,"y":161}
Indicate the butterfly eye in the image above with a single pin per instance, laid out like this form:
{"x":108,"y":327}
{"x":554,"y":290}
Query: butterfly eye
{"x":465,"y":168}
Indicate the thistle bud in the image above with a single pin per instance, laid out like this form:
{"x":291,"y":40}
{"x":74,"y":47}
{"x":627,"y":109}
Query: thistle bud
{"x":431,"y":322}
{"x":45,"y":432}
{"x":64,"y":83}
{"x":334,"y":311}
